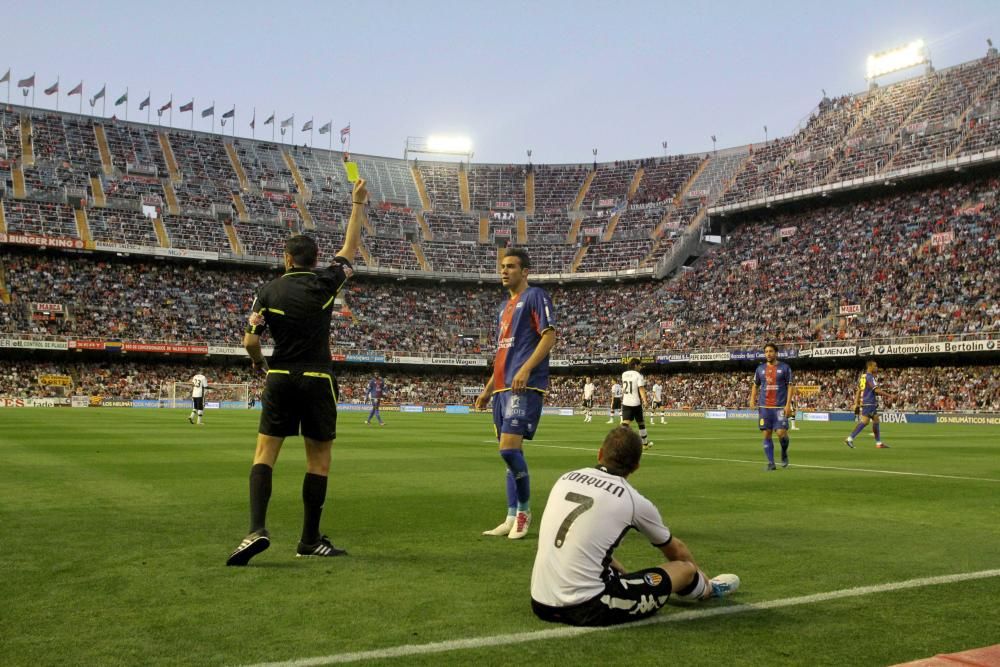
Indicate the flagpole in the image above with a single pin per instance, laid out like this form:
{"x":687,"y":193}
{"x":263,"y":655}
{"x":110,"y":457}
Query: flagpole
{"x":192,"y":114}
{"x":311,"y":133}
{"x":213,"y":116}
{"x":171,"y":110}
{"x":104,"y":101}
{"x":126,"y":104}
{"x":273,"y":123}
{"x":253,"y":124}
{"x":234,"y":121}
{"x":57,"y":92}
{"x":149,"y":107}
{"x":81,"y":99}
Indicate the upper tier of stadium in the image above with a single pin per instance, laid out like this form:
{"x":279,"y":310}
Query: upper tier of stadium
{"x":83,"y":181}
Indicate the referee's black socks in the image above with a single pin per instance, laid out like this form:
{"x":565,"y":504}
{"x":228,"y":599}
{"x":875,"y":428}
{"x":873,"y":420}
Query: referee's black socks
{"x":260,"y":495}
{"x":313,"y":497}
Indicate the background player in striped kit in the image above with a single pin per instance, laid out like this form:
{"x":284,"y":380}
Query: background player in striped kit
{"x":772,"y":396}
{"x":866,"y":400}
{"x":376,"y":389}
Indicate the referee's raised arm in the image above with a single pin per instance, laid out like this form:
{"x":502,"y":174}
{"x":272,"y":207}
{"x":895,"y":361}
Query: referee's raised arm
{"x":352,"y":238}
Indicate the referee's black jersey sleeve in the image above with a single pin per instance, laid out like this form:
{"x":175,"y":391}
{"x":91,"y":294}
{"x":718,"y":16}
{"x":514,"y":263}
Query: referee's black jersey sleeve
{"x":335,"y":275}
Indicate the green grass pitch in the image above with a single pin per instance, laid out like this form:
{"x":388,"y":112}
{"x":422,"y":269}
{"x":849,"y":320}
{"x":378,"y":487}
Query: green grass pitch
{"x":115,"y":524}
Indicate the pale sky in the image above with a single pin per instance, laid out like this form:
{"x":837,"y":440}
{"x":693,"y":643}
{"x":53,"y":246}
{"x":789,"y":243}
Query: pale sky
{"x":559,"y":77}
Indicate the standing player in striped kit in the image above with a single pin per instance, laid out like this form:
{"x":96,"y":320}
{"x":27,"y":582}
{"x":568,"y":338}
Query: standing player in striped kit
{"x":772,"y":396}
{"x":520,"y":379}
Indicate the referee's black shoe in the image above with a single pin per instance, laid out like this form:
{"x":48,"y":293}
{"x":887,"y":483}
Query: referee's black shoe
{"x":323,"y":548}
{"x":252,"y":544}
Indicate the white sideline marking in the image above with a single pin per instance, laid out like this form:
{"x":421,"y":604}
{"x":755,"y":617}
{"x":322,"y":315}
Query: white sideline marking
{"x":793,"y":465}
{"x":564,"y":632}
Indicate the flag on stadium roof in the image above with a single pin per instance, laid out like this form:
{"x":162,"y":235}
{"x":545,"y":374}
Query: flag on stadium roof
{"x":122,"y":100}
{"x":166,"y":106}
{"x":288,"y":122}
{"x":27,"y":83}
{"x":144,"y":103}
{"x":6,"y":77}
{"x":308,"y":126}
{"x":345,"y":131}
{"x":230,"y":113}
{"x":77,"y":90}
{"x":54,"y":88}
{"x":326,"y":128}
{"x":253,"y":121}
{"x":184,"y":108}
{"x":99,"y":94}
{"x":210,"y":111}
{"x":270,"y":119}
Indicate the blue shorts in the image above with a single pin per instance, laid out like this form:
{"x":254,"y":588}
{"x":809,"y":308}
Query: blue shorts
{"x":772,"y":419}
{"x":517,"y":413}
{"x":869,"y":411}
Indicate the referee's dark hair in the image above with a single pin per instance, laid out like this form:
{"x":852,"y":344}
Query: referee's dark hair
{"x":622,"y":449}
{"x":303,"y":250}
{"x":522,"y":256}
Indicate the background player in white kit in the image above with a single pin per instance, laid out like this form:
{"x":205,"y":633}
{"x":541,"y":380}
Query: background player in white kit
{"x":577,"y":580}
{"x":199,"y":385}
{"x":633,"y":399}
{"x":616,"y":402}
{"x":588,"y":400}
{"x":657,"y":403}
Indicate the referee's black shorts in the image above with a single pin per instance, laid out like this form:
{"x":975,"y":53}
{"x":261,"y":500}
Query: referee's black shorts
{"x":297,"y":401}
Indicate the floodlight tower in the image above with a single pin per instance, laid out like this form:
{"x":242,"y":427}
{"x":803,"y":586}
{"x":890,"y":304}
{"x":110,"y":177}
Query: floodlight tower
{"x":897,"y":59}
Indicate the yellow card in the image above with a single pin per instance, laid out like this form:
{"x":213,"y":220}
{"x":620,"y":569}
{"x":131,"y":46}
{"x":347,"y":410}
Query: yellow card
{"x":352,"y":171}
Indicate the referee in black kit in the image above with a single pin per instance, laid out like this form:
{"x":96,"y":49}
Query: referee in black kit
{"x":300,"y":392}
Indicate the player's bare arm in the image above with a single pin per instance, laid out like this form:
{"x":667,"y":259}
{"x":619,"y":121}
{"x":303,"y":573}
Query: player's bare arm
{"x":675,"y":549}
{"x":352,"y":237}
{"x":251,"y":343}
{"x":484,"y":397}
{"x":643,"y":396}
{"x":753,"y":397}
{"x":542,"y":350}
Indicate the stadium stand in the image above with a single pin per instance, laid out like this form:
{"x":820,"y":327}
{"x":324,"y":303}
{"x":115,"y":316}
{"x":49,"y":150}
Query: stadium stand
{"x":863,"y":254}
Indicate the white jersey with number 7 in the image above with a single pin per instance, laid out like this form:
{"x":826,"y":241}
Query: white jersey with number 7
{"x":587,"y":514}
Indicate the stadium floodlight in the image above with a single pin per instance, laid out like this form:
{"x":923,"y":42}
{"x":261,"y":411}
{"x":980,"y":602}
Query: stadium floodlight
{"x":440,"y":145}
{"x":455,"y":145}
{"x":894,"y":60}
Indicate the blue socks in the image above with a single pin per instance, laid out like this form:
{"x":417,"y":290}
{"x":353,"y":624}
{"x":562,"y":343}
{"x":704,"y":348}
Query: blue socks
{"x":518,"y":471}
{"x":878,"y":436}
{"x":857,"y":429}
{"x":769,"y":450}
{"x":784,"y":445}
